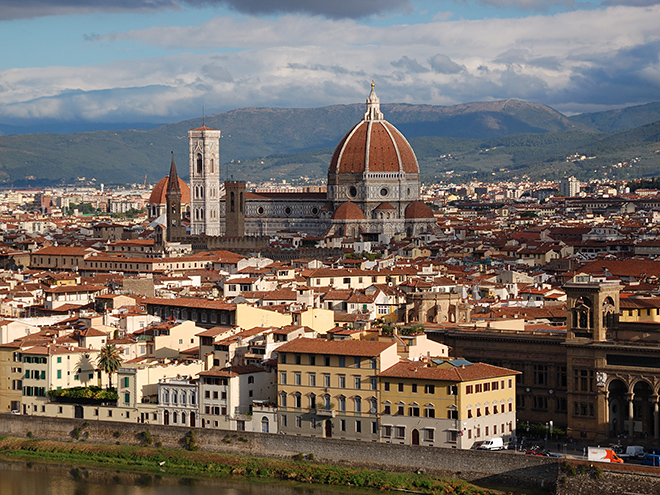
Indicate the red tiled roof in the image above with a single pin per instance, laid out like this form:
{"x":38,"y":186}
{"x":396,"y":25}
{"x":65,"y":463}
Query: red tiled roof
{"x":363,"y":348}
{"x":424,"y":371}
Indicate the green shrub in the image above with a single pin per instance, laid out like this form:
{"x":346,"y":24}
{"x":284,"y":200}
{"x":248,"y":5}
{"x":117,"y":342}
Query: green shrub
{"x":190,"y":441}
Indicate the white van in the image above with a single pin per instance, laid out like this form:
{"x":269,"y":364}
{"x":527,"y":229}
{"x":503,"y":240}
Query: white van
{"x":633,"y":451}
{"x":492,"y":444}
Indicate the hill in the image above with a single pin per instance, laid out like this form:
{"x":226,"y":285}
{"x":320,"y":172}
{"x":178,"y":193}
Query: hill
{"x":621,"y":119}
{"x":252,"y":135}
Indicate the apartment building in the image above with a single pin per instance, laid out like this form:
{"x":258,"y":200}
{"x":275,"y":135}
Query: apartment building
{"x":330,"y":388}
{"x":447,"y":403}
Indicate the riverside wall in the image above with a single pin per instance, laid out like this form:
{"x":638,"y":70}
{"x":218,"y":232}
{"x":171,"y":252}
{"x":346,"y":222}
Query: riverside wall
{"x":475,"y":466}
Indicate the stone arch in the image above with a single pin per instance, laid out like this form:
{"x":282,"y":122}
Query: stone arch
{"x":583,"y":313}
{"x":608,"y":312}
{"x":617,"y":405}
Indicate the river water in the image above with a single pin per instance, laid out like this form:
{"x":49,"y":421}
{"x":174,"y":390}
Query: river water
{"x":37,"y":479}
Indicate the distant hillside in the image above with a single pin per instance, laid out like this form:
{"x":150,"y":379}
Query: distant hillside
{"x":254,"y":134}
{"x":617,"y":120}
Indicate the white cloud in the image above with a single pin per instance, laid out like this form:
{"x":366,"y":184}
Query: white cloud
{"x":572,"y":58}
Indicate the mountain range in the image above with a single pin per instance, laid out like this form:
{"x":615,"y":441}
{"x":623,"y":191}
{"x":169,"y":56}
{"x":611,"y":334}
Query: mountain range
{"x":495,"y":140}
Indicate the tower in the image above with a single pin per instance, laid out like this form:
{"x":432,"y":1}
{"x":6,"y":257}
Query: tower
{"x":173,"y":198}
{"x":235,"y":208}
{"x":204,"y":181}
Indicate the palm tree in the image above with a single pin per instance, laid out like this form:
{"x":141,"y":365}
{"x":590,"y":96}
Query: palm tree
{"x":109,"y":360}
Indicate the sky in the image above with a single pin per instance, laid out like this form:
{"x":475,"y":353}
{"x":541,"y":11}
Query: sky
{"x":159,"y":61}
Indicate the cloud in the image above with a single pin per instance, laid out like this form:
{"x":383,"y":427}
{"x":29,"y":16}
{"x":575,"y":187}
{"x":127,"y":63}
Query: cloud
{"x":572,"y":60}
{"x":541,"y":5}
{"x":409,"y":65}
{"x":13,"y":9}
{"x":444,"y":65}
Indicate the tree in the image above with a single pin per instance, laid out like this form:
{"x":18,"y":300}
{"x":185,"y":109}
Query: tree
{"x":109,"y":360}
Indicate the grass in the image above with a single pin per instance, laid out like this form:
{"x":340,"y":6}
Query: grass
{"x":195,"y":464}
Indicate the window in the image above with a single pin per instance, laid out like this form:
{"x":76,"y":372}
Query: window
{"x":469,"y":389}
{"x":452,"y":390}
{"x":358,"y":382}
{"x":298,"y":421}
{"x":540,"y":374}
{"x":297,"y":380}
{"x":386,"y":386}
{"x":342,"y":403}
{"x":326,"y":360}
{"x":342,"y":381}
{"x":414,"y":410}
{"x":342,"y":425}
{"x":413,"y":388}
{"x":312,"y":401}
{"x":358,"y":426}
{"x":428,"y":435}
{"x":400,"y":386}
{"x":358,"y":404}
{"x":374,"y":364}
{"x":127,"y":398}
{"x":312,"y":379}
{"x":357,"y":362}
{"x":283,"y":377}
{"x":250,"y":379}
{"x":326,"y":379}
{"x":387,"y":408}
{"x":283,"y":399}
{"x":312,"y":360}
{"x":429,"y":411}
{"x":283,"y":358}
{"x":387,"y":431}
{"x":373,"y":382}
{"x":373,"y":405}
{"x":429,"y":389}
{"x":297,"y":359}
{"x":399,"y":408}
{"x":297,"y":400}
{"x":400,"y":432}
{"x":477,"y":388}
{"x":342,"y":361}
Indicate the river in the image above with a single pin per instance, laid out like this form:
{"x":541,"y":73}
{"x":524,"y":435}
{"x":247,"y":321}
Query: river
{"x":22,"y":478}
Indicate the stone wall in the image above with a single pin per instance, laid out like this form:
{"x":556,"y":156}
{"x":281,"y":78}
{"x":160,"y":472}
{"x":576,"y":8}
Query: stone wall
{"x":479,"y":467}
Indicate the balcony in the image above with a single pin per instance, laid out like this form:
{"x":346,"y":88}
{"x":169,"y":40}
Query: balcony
{"x":330,"y":413}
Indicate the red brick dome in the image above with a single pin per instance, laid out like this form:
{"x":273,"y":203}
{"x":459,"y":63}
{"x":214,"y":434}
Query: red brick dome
{"x":348,"y":211}
{"x":158,"y":193}
{"x":418,"y":209}
{"x":373,"y":145}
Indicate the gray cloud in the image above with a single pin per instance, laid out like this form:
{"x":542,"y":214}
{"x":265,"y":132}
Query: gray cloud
{"x":337,"y":9}
{"x":442,"y":64}
{"x":409,"y":65}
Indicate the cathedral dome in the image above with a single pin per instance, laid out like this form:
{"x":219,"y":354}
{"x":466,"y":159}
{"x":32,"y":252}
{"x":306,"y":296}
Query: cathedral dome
{"x":348,"y":211}
{"x":373,"y":145}
{"x":158,"y":193}
{"x":418,"y":210}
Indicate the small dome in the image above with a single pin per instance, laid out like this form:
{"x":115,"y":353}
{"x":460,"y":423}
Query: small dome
{"x":348,"y":211}
{"x":418,"y":209}
{"x":373,"y":145}
{"x":385,"y":206}
{"x":158,"y":194}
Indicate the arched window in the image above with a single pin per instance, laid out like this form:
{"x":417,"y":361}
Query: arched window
{"x":373,"y":405}
{"x":199,"y":163}
{"x":342,"y":403}
{"x":358,"y":403}
{"x":297,"y":399}
{"x":429,"y":411}
{"x":264,"y":425}
{"x":183,"y":418}
{"x":283,"y":399}
{"x":175,"y":417}
{"x":211,"y":164}
{"x":166,"y":396}
{"x":174,"y":398}
{"x":183,"y":398}
{"x":312,"y":401}
{"x":232,"y":202}
{"x":193,"y":398}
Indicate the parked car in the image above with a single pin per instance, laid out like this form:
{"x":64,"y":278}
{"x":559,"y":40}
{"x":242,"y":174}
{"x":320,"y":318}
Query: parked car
{"x":651,"y":460}
{"x":632,"y":452}
{"x":492,"y":444}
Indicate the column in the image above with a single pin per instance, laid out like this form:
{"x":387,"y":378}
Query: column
{"x":656,"y":417}
{"x":631,"y":430}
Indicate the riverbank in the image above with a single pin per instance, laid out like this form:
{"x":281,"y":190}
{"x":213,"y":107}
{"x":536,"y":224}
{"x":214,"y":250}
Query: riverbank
{"x":193,"y":464}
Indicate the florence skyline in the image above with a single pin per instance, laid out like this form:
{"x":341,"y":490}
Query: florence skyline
{"x":160,"y":61}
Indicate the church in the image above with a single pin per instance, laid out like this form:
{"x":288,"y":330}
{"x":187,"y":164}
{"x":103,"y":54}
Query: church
{"x":372,"y":194}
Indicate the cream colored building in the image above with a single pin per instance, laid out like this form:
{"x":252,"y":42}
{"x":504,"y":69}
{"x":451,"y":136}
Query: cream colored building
{"x":330,"y":388}
{"x":447,"y":403}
